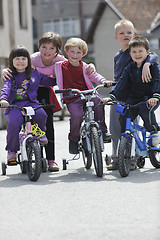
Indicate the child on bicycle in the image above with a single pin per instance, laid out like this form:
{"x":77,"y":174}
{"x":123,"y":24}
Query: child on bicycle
{"x":72,"y":74}
{"x":49,"y":46}
{"x":131,"y":87}
{"x":124,"y":31}
{"x":21,"y":90}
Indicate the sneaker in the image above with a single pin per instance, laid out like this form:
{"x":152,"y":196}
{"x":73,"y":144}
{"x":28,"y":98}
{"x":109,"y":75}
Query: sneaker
{"x":113,"y":166}
{"x":11,"y":158}
{"x":52,"y":166}
{"x":106,"y":137}
{"x":133,"y":166}
{"x":73,"y":147}
{"x":155,"y":138}
{"x":43,"y":140}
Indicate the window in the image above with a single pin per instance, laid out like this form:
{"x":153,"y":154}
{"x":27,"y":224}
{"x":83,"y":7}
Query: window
{"x":1,"y":13}
{"x":65,"y":27}
{"x":22,"y":13}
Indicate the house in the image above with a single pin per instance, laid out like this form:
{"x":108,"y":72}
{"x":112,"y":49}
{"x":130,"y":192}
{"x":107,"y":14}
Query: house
{"x":69,"y":18}
{"x":15,"y":29}
{"x":144,"y":14}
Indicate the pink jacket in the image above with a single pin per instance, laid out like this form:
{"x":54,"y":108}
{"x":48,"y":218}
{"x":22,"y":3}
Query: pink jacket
{"x":94,"y":77}
{"x":49,"y":71}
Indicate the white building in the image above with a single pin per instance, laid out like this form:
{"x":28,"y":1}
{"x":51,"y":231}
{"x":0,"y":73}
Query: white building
{"x":15,"y":29}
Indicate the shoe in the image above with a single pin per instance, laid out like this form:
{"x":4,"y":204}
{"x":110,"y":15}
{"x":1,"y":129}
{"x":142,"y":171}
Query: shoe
{"x":11,"y":158}
{"x":155,"y":138}
{"x":106,"y":137}
{"x":43,"y":140}
{"x":52,"y":166}
{"x":113,"y":166}
{"x":73,"y":147}
{"x":133,"y":166}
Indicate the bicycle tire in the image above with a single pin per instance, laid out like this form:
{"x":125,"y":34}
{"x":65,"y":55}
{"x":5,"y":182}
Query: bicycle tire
{"x":124,"y":156}
{"x":34,"y":164}
{"x":3,"y":168}
{"x":154,"y":157}
{"x":87,"y":159}
{"x":96,"y":151}
{"x":87,"y":156}
{"x":141,"y":162}
{"x":44,"y":165}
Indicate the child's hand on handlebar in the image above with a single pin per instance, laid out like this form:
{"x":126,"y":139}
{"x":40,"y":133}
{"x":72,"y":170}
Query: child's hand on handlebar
{"x":6,"y":74}
{"x":106,"y":100}
{"x":107,"y":82}
{"x":153,"y":101}
{"x":4,"y":103}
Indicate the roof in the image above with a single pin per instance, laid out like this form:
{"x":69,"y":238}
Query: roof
{"x":144,"y":14}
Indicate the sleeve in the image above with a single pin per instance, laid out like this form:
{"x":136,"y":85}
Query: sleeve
{"x":152,"y":58}
{"x":46,"y":81}
{"x":122,"y":88}
{"x":156,"y":78}
{"x":5,"y":91}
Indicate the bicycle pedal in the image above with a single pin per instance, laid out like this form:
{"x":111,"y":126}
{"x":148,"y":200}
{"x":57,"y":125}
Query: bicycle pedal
{"x":12,"y":163}
{"x":107,"y":141}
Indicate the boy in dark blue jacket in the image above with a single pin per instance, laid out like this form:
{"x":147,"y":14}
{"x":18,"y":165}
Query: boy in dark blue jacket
{"x":124,"y":31}
{"x":133,"y":90}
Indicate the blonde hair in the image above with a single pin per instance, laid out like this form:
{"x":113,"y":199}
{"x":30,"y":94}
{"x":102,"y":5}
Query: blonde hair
{"x":122,"y":23}
{"x":76,"y":42}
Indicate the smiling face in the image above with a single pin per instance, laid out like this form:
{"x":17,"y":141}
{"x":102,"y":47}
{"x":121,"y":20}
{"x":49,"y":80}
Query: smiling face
{"x":20,"y":63}
{"x":48,"y":52}
{"x":124,"y":34}
{"x":74,"y":55}
{"x":139,"y":54}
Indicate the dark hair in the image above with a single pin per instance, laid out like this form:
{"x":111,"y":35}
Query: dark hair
{"x":51,"y":37}
{"x":20,"y":51}
{"x":139,"y":41}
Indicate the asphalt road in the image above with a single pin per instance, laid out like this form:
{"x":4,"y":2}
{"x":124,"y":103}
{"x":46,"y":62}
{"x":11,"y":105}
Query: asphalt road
{"x":75,"y":204}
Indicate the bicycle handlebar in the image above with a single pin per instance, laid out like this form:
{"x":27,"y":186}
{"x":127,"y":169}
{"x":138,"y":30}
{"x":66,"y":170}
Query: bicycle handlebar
{"x":77,"y":91}
{"x":21,"y":108}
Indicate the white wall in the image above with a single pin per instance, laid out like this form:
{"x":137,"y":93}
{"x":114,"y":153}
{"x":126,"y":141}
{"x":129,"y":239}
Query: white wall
{"x":105,"y":45}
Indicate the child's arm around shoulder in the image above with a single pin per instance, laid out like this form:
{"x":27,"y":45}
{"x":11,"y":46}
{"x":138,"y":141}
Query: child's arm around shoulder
{"x":96,"y":77}
{"x":45,"y":80}
{"x":151,"y":59}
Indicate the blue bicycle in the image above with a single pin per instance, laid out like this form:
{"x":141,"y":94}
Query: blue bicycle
{"x":135,"y":141}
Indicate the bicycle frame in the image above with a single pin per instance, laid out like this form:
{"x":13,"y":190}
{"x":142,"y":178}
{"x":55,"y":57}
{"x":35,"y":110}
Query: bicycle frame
{"x":88,"y":122}
{"x":26,"y":132}
{"x":141,"y":145}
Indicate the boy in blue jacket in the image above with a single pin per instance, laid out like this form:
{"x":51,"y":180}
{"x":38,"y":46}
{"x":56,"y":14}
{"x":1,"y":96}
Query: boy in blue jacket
{"x":124,"y":31}
{"x":131,"y":88}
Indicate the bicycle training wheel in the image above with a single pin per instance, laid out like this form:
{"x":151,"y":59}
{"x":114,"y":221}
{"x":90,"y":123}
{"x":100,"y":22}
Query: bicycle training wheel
{"x":155,"y":157}
{"x":96,"y":151}
{"x":87,"y":156}
{"x":34,"y":161}
{"x":3,"y":168}
{"x":23,"y":164}
{"x":124,"y":156}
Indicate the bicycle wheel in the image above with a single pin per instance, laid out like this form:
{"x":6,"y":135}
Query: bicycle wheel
{"x":87,"y":156}
{"x":155,"y":157}
{"x":96,"y":151}
{"x":34,"y":161}
{"x":124,"y":156}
